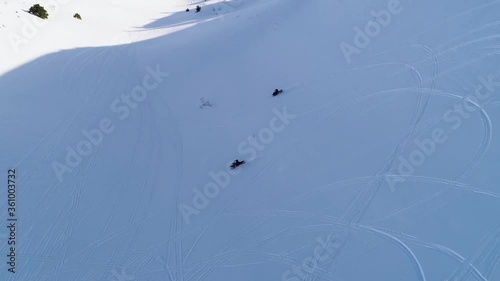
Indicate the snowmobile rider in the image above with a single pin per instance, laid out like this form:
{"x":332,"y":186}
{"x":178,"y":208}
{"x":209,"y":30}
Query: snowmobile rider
{"x":236,"y":163}
{"x":277,"y":92}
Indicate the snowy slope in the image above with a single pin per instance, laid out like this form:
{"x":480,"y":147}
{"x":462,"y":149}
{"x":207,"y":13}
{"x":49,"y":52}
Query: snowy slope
{"x":376,"y":165}
{"x":108,"y":22}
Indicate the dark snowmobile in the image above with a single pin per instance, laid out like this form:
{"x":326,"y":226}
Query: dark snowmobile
{"x":277,"y":92}
{"x":236,"y":163}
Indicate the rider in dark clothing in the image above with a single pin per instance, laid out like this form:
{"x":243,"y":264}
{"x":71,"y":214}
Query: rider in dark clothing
{"x":277,"y":92}
{"x":236,"y":163}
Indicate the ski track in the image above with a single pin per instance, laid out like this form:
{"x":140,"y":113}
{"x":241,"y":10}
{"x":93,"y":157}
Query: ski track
{"x":354,"y":181}
{"x":255,"y":178}
{"x":354,"y":214}
{"x":485,"y":5}
{"x":329,"y":219}
{"x":221,"y":249}
{"x":490,"y":246}
{"x":82,"y":181}
{"x":57,"y":235}
{"x":379,"y":183}
{"x":139,"y":143}
{"x":453,"y":184}
{"x":174,"y":223}
{"x":79,"y":113}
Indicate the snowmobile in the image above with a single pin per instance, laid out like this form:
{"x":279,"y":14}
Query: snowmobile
{"x":236,"y":163}
{"x":277,"y":92}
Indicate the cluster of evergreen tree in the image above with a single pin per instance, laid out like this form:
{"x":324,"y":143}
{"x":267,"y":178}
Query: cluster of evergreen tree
{"x":39,"y":11}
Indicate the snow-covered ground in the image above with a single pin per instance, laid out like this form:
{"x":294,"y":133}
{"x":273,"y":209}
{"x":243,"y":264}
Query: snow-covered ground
{"x":378,"y":162}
